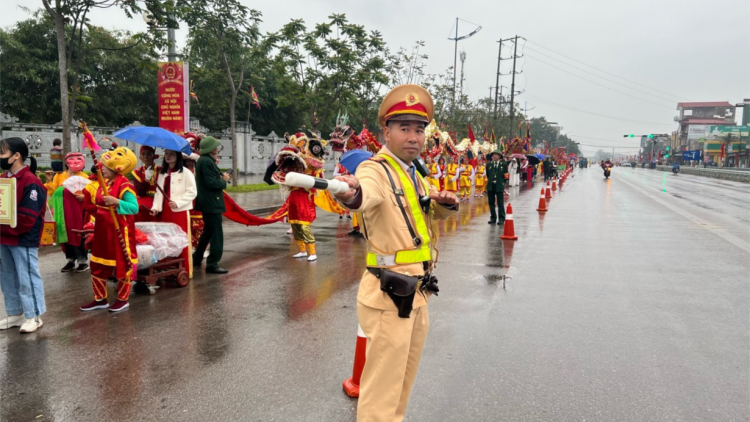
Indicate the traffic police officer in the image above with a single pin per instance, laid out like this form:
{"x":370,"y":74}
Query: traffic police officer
{"x":397,"y":207}
{"x":497,"y":171}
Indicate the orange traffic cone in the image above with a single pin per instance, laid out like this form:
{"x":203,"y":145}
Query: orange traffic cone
{"x":554,"y":183}
{"x":548,"y":194}
{"x":351,"y":385}
{"x":509,"y":230}
{"x":542,"y":202}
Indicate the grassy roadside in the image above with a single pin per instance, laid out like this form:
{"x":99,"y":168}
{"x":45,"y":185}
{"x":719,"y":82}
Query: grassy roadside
{"x":253,"y":187}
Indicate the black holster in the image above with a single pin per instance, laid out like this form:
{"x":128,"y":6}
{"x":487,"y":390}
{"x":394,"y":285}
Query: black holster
{"x":399,"y":287}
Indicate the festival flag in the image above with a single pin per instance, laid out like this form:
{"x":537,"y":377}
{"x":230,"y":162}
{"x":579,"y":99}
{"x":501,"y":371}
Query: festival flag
{"x":254,"y":97}
{"x":192,"y":92}
{"x":471,"y":135}
{"x":723,"y":150}
{"x":502,"y":144}
{"x":492,"y":137}
{"x":89,"y":142}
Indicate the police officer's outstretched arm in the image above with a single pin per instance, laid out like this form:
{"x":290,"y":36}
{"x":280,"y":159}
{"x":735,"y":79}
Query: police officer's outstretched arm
{"x":444,"y":203}
{"x":367,"y":188}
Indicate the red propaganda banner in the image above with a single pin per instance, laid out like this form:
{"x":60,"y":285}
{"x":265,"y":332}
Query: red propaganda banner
{"x":174,"y":97}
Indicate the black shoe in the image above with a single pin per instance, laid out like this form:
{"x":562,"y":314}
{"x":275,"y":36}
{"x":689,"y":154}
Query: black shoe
{"x":355,"y":233}
{"x":82,"y":268}
{"x":491,"y":222}
{"x":341,"y":217}
{"x":216,"y":270}
{"x":501,"y":222}
{"x":197,"y":262}
{"x":70,"y":266}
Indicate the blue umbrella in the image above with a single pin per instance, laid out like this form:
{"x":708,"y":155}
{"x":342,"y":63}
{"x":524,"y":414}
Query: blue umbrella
{"x":155,"y":137}
{"x":352,"y":159}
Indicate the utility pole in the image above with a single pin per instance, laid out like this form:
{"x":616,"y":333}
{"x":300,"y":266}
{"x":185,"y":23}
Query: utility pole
{"x":463,"y":59}
{"x":455,"y":65}
{"x":513,"y":86}
{"x":497,"y":77}
{"x":489,"y":103}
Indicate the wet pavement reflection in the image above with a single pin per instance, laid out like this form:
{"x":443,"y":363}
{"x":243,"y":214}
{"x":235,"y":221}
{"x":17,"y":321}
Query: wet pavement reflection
{"x":593,"y":313}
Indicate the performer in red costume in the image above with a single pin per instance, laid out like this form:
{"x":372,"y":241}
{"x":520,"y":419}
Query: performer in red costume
{"x":108,"y":256}
{"x":144,"y":180}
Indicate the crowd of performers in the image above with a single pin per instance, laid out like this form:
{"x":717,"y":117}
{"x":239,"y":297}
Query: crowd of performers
{"x":95,"y":220}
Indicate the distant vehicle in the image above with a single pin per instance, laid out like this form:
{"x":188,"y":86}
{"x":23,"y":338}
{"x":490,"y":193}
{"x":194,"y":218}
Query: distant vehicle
{"x":633,"y":164}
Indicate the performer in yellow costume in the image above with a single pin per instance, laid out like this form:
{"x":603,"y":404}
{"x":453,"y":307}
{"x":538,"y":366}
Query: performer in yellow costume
{"x":435,"y":173}
{"x":466,"y":172}
{"x":480,"y":177}
{"x":451,"y":170}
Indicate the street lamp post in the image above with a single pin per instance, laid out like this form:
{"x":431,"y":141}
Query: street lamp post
{"x":456,"y":39}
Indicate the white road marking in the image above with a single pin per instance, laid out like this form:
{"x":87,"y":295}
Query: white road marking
{"x":697,"y":220}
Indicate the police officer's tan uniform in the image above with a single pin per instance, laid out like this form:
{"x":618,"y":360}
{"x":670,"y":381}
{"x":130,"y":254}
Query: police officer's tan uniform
{"x":394,"y":344}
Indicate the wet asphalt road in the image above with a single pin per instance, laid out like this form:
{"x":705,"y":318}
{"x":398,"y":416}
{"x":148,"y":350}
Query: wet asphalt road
{"x":627,"y":301}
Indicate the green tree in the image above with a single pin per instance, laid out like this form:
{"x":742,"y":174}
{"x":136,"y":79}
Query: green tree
{"x":337,"y":66}
{"x":28,"y":65}
{"x":115,"y":85}
{"x":224,"y":33}
{"x":70,"y":17}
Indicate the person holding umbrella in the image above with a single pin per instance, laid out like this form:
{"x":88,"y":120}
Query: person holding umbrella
{"x":175,"y":192}
{"x":497,"y":171}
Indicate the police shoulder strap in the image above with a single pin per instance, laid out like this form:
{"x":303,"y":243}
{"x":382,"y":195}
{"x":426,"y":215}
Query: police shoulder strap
{"x":399,"y":192}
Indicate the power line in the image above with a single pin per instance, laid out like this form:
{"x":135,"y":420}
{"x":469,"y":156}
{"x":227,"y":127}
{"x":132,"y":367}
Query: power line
{"x":601,"y":77}
{"x":608,"y":73}
{"x":604,"y":86}
{"x":544,"y":101}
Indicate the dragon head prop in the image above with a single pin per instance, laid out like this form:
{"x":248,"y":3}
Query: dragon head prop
{"x":303,"y":155}
{"x":341,"y":137}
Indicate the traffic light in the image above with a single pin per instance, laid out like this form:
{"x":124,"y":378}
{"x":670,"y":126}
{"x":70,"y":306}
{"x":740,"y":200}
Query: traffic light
{"x":628,"y":136}
{"x":650,"y":135}
{"x":667,"y":149}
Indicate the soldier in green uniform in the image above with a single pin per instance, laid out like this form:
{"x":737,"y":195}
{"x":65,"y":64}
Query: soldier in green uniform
{"x":211,"y":183}
{"x":497,"y":170}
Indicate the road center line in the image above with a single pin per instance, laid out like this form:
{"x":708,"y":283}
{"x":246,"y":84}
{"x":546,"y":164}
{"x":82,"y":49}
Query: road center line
{"x":697,"y":220}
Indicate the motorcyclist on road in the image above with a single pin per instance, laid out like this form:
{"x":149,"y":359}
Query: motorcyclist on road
{"x":675,"y":167}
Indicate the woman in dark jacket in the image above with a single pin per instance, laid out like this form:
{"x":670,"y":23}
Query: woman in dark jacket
{"x":20,"y":279}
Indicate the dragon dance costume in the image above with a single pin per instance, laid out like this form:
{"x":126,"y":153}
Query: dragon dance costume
{"x":302,"y":155}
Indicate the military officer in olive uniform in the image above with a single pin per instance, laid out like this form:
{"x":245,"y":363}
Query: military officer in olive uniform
{"x":397,"y":206}
{"x":211,"y":183}
{"x":497,"y":171}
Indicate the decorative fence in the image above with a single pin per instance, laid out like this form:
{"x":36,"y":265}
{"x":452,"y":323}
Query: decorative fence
{"x":253,"y":151}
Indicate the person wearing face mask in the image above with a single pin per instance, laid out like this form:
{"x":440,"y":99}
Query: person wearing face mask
{"x":174,"y":197}
{"x":69,"y":215}
{"x":20,"y":280}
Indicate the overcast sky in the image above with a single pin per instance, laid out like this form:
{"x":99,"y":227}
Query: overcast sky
{"x":675,"y":50}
